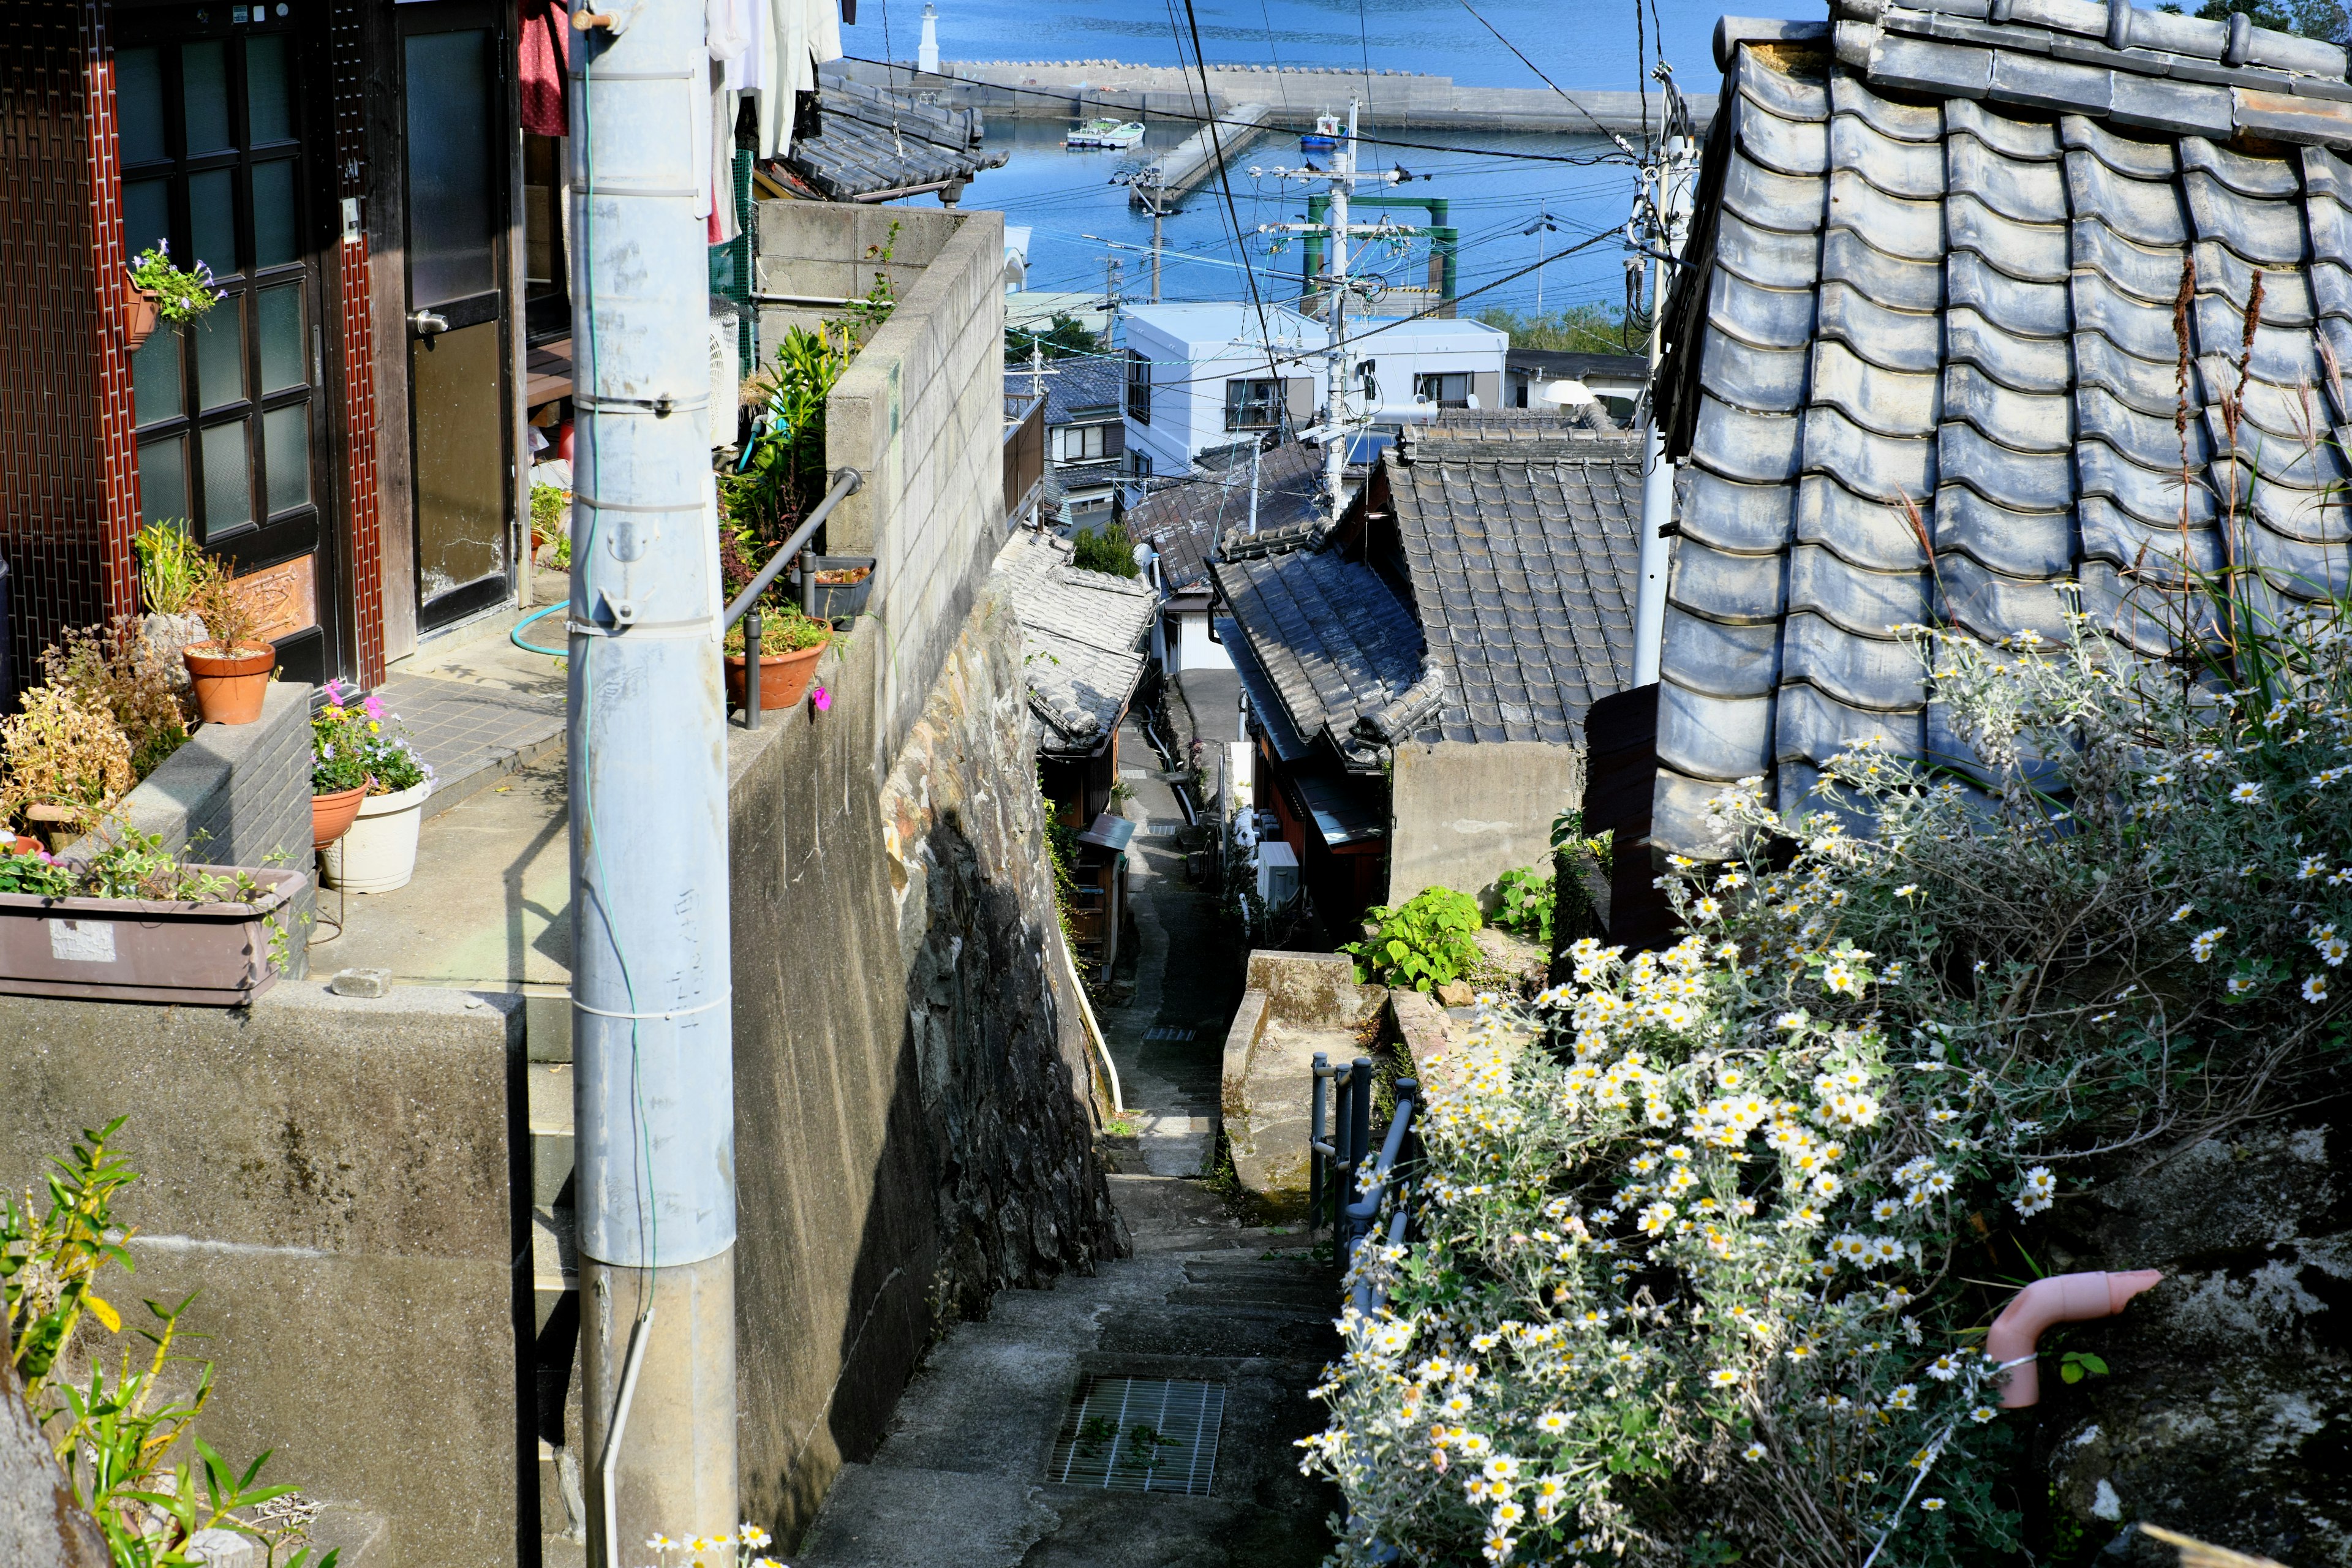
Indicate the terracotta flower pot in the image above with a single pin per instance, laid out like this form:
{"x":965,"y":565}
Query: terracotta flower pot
{"x":229,"y":689}
{"x":783,"y":677}
{"x":139,"y":316}
{"x":331,"y":814}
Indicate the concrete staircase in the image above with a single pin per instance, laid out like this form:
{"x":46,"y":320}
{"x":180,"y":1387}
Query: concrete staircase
{"x":963,"y":1477}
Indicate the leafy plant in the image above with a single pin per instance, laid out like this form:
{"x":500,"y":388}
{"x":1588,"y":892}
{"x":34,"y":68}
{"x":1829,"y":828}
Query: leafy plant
{"x":1574,"y":913}
{"x":1064,"y":337}
{"x":1424,"y":942}
{"x":376,"y":736}
{"x":62,"y":749}
{"x":116,"y":668}
{"x":172,"y":565}
{"x":2076,"y":1366}
{"x":181,"y":295}
{"x":231,"y":628}
{"x":38,"y":874}
{"x":339,"y":743}
{"x":113,"y":1435}
{"x":1523,"y":897}
{"x":741,"y":1549}
{"x":551,"y":510}
{"x":1104,"y":549}
{"x":1577,"y":329}
{"x":782,"y":630}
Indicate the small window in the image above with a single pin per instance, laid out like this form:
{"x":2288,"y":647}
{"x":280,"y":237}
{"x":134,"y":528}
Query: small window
{"x":1253,"y":405}
{"x":1139,"y":387}
{"x":1449,"y":391}
{"x":1137,"y":463}
{"x":1081,"y":444}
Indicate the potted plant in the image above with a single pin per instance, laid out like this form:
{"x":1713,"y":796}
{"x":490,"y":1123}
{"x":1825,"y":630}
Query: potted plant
{"x":67,"y":761}
{"x":135,"y":923}
{"x":790,"y":645}
{"x":159,"y":290}
{"x":172,"y":566}
{"x":843,"y":582}
{"x":378,"y":853}
{"x":231,"y":668}
{"x":339,"y":774}
{"x":114,"y":669}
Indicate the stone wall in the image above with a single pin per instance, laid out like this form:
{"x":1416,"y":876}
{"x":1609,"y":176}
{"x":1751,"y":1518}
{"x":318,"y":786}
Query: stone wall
{"x":913,"y":1127}
{"x":2227,"y":1411}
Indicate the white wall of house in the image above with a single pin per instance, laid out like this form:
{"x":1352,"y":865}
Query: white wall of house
{"x":1181,"y":642}
{"x":1196,"y":350}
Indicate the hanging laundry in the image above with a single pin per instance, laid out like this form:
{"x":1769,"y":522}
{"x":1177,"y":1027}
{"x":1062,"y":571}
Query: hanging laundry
{"x":545,"y":56}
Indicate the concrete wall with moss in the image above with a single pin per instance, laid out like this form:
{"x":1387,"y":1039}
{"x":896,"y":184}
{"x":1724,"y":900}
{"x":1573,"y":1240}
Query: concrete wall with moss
{"x":914,"y":1129}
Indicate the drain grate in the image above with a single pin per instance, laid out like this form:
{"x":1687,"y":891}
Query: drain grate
{"x":1169,"y":1032}
{"x":1164,"y":827}
{"x":1140,"y":1434}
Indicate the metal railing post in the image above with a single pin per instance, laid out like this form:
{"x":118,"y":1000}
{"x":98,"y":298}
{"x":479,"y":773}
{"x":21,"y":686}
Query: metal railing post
{"x":1359,"y":1127}
{"x":1315,"y":1142}
{"x":752,"y":668}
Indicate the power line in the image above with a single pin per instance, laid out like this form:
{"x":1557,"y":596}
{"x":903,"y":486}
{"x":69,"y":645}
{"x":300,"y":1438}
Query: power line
{"x":1623,"y":144}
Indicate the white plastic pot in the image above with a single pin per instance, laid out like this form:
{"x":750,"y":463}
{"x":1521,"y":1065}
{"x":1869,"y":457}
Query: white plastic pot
{"x":379,"y":853}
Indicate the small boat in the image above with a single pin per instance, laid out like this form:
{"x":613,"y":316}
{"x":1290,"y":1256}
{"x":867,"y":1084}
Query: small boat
{"x":1328,"y":132}
{"x":1105,"y":134}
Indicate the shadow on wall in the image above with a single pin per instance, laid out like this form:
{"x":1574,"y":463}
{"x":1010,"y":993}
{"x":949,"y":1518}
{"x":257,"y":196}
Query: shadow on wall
{"x":912,"y":1125}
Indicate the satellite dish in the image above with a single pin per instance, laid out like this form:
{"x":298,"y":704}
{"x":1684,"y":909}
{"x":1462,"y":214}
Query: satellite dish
{"x":1569,"y":394}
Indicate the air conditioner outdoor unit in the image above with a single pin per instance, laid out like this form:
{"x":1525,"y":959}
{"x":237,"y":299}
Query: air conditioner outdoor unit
{"x":1278,"y":873}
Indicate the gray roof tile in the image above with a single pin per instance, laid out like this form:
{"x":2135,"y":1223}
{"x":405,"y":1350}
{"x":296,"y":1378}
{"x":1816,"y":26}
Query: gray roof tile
{"x":1969,"y":308}
{"x":1081,"y":637}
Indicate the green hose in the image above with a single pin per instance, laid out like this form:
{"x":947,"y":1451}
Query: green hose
{"x":515,"y":636}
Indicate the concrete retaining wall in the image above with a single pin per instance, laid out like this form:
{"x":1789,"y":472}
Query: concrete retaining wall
{"x":1465,"y":814}
{"x":341,"y":1184}
{"x":919,"y":412}
{"x":1296,"y":1004}
{"x":912,"y":1122}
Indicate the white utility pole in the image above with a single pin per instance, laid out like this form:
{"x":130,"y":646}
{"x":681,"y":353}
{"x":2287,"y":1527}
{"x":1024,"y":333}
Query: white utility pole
{"x":654,"y":1086}
{"x":1338,"y":358}
{"x":1664,"y":225}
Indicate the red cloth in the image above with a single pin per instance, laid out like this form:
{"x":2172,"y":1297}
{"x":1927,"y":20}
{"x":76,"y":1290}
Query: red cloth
{"x":545,"y":49}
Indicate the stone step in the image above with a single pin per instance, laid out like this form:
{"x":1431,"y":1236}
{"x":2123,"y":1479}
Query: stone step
{"x":554,"y":1263}
{"x":549,"y":1110}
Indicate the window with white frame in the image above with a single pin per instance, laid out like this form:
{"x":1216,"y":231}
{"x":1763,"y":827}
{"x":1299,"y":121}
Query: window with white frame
{"x":1083,"y":443}
{"x":1253,"y":405}
{"x":1449,"y":390}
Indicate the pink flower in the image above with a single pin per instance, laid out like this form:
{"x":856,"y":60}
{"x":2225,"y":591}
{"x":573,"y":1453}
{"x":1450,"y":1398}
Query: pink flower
{"x":373,"y":707}
{"x":821,"y":697}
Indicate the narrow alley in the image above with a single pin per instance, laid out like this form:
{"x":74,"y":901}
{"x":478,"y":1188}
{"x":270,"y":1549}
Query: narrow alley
{"x":1143,"y":1416}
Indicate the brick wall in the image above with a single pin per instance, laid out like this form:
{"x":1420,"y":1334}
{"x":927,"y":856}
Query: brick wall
{"x":919,"y":412}
{"x":68,"y":494}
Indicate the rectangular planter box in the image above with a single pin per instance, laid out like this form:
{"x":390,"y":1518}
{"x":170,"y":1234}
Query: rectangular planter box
{"x":146,"y":950}
{"x":838,"y":601}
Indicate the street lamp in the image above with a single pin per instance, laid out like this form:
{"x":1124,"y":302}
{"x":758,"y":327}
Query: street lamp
{"x":1542,"y":225}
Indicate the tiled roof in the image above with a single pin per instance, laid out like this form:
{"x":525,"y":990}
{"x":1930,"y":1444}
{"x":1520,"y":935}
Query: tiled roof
{"x":1185,"y":520}
{"x":1524,"y":427}
{"x":1524,"y":564}
{"x":1331,"y":640}
{"x":1082,"y":634}
{"x":873,"y":140}
{"x":1937,"y":257}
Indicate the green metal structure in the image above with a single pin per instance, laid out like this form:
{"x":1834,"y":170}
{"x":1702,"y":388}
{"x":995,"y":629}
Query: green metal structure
{"x":1443,"y":238}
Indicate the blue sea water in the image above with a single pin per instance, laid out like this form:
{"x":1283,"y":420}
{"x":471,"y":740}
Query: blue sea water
{"x":1497,"y":184}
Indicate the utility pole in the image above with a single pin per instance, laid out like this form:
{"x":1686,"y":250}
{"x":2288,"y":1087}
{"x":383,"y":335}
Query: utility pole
{"x":1337,"y":357}
{"x":1158,"y":204}
{"x":1664,"y":224}
{"x":653,"y":1087}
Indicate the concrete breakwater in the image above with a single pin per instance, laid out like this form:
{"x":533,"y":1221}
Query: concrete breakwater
{"x":1392,"y":101}
{"x":1178,"y":170}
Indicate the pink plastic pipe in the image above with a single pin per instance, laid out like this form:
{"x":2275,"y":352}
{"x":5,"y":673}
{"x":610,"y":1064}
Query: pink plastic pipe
{"x":2061,"y":1299}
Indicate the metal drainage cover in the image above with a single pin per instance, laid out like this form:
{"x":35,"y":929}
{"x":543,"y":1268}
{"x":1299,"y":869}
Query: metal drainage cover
{"x":1164,"y":827}
{"x":1169,"y":1032}
{"x":1140,"y":1434}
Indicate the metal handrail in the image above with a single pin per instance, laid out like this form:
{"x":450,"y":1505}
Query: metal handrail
{"x":744,"y":605}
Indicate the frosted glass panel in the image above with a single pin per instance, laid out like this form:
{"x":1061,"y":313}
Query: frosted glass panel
{"x":220,"y":353}
{"x":146,"y":216}
{"x":155,"y":381}
{"x":273,"y":212}
{"x":449,"y":177}
{"x":162,"y":480}
{"x":212,"y":219}
{"x":204,"y":92}
{"x":268,"y":111}
{"x":228,"y":486}
{"x":282,"y":338}
{"x":139,"y":105}
{"x":286,"y":456}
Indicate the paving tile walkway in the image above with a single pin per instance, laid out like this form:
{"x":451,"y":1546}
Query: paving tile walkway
{"x":472,"y":732}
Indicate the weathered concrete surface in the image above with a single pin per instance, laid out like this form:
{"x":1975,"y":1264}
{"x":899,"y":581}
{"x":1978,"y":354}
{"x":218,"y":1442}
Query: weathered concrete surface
{"x":2228,"y":1411}
{"x":963,"y":1477}
{"x":1296,"y":1004}
{"x":1464,"y":814}
{"x":912,"y":1122}
{"x":40,"y":1526}
{"x":340,"y":1182}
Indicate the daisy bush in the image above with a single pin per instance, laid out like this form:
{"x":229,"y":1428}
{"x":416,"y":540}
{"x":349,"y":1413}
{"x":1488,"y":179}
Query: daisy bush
{"x":1701,"y":1235}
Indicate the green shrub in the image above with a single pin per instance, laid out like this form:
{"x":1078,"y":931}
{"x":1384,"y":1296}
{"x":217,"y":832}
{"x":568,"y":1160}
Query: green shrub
{"x":1523,"y":902}
{"x":1106,"y":549}
{"x":1424,"y":942}
{"x":1709,"y":1238}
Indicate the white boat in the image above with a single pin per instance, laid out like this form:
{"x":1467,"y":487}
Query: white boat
{"x":1105,"y":134}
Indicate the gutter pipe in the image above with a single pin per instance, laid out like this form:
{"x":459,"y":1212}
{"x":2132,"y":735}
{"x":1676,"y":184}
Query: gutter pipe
{"x":2060,"y":1298}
